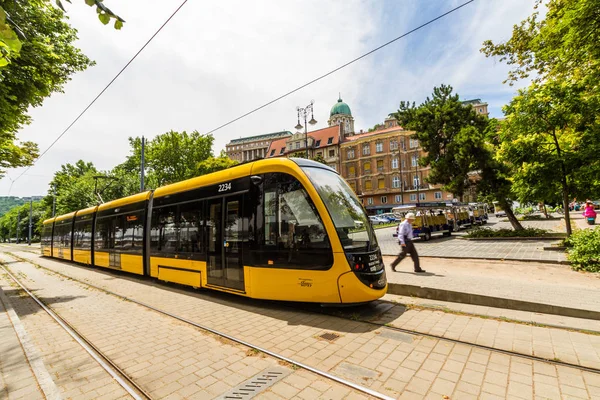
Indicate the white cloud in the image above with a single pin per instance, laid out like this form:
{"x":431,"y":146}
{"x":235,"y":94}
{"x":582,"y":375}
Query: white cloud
{"x":218,"y":60}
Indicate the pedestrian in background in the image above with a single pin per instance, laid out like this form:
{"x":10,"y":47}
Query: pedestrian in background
{"x":405,"y":236}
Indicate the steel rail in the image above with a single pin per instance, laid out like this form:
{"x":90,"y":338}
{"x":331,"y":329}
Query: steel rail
{"x":115,"y":372}
{"x":403,"y":330}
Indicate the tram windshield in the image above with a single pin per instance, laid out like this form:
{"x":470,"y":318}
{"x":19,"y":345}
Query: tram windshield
{"x":348,"y":215}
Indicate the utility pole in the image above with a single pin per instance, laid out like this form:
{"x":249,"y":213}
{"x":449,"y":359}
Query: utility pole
{"x":18,"y":218}
{"x":53,"y":200}
{"x":142,"y":166}
{"x":30,"y":219}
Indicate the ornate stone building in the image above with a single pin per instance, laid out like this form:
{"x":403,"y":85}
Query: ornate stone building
{"x":252,"y":147}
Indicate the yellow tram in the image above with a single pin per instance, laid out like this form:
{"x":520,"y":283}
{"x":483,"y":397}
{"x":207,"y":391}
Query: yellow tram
{"x":278,"y":229}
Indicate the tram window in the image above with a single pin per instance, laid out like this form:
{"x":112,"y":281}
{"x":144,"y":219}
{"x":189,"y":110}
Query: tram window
{"x":104,"y":234}
{"x":47,"y":235}
{"x":164,"y":230}
{"x":118,"y":225}
{"x":191,"y":228}
{"x":133,"y":235}
{"x":294,"y":236}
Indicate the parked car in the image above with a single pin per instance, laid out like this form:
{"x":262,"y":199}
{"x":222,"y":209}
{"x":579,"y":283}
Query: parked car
{"x":389,"y":217}
{"x":377,"y":220}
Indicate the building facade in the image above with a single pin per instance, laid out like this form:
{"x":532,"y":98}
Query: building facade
{"x":253,"y":147}
{"x":382,"y":167}
{"x":479,"y":106}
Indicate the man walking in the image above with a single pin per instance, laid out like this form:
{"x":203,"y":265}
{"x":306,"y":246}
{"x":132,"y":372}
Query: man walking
{"x":405,"y":236}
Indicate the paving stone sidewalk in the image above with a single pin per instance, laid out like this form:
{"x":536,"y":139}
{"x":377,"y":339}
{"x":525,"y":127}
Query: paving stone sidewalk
{"x":168,"y":358}
{"x":528,"y":281}
{"x":404,"y":366}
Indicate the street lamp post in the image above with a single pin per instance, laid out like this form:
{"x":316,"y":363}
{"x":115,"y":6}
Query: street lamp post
{"x":304,"y":113}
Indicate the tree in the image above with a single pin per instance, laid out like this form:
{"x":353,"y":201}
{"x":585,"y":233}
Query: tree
{"x":548,"y":137}
{"x":45,"y":63}
{"x":214,"y":164}
{"x":74,"y":185}
{"x":455,"y":139}
{"x":552,"y":134}
{"x":8,"y":222}
{"x":174,"y":156}
{"x":11,"y":35}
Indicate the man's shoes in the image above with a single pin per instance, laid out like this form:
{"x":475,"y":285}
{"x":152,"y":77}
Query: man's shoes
{"x":394,"y":263}
{"x":418,"y":271}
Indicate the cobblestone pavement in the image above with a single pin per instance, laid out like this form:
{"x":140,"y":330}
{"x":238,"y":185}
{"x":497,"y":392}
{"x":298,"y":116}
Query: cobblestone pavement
{"x":528,"y":281}
{"x":398,"y":364}
{"x":454,"y":247}
{"x":169,"y":359}
{"x":526,"y":317}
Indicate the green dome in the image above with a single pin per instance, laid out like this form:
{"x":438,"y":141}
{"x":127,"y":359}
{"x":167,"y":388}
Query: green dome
{"x":340,"y":108}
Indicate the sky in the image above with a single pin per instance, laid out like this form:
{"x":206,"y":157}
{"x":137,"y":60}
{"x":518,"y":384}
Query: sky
{"x":218,"y":60}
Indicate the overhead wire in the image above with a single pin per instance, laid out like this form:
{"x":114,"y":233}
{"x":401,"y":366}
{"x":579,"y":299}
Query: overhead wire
{"x":257,"y":108}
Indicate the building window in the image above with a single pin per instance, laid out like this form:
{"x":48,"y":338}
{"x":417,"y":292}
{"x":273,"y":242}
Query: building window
{"x":413,"y":143}
{"x":297,"y":145}
{"x":383,"y":199}
{"x":318,"y":143}
{"x":351,"y":171}
{"x":395,"y":163}
{"x":366,"y":149}
{"x":333,"y":167}
{"x":437,"y":195}
{"x":368,"y":184}
{"x":416,"y":181}
{"x":331,"y":153}
{"x":403,"y":163}
{"x":421,"y":196}
{"x":282,"y":150}
{"x":367,"y":167}
{"x":393,"y":145}
{"x":350,"y":153}
{"x":353,"y":186}
{"x":379,"y":147}
{"x":481,"y":110}
{"x":398,"y":198}
{"x":370,"y":201}
{"x":272,"y":153}
{"x":330,"y":140}
{"x":395,"y":182}
{"x":381,"y":183}
{"x":413,"y":197}
{"x":380,"y":165}
{"x":320,"y":154}
{"x":415,"y":160}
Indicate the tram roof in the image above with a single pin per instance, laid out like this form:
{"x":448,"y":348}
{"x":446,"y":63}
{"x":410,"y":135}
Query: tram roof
{"x":64,"y":217}
{"x":136,"y":198}
{"x":49,"y":221}
{"x":87,"y":211}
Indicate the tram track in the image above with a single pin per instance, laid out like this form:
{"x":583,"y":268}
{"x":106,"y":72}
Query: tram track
{"x":126,"y":382}
{"x":555,"y":362}
{"x":290,"y":361}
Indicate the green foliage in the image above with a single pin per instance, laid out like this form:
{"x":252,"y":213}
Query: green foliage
{"x":584,"y":251}
{"x":45,"y":63}
{"x":8,"y":222}
{"x":9,"y":202}
{"x":214,"y":164}
{"x":319,"y":158}
{"x":494,"y":233}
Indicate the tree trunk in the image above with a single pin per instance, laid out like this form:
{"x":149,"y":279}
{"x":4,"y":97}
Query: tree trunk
{"x":506,"y":206}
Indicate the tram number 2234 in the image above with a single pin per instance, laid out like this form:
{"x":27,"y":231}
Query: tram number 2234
{"x":223,"y":187}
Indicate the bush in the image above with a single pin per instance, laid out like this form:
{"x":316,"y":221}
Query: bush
{"x":491,"y":233}
{"x":584,"y":252}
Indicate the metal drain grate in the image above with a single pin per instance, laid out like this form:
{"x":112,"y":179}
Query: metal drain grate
{"x":329,"y":336}
{"x":257,"y":384}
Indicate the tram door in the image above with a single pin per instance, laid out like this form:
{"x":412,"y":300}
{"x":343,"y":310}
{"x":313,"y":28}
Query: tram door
{"x":225,"y":236}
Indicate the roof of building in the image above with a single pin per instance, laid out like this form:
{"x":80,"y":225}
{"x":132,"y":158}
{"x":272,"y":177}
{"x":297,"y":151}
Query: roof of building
{"x":473,"y":101}
{"x":340,"y":108}
{"x":323,"y":135}
{"x":374,"y":133}
{"x":265,"y":136}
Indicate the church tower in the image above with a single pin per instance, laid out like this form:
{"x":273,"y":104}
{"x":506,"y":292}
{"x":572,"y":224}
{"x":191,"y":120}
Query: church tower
{"x":340,"y":115}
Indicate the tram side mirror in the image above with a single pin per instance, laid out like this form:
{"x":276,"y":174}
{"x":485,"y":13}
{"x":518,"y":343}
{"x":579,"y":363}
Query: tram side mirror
{"x":256,"y":180}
